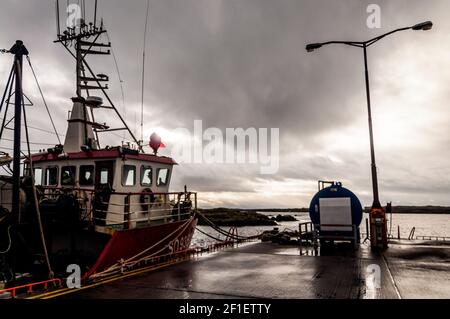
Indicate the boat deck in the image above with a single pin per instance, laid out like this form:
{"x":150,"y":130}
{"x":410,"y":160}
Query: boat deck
{"x":266,"y":270}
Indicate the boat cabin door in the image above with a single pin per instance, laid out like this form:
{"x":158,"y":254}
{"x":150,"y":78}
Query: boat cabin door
{"x":104,"y":175}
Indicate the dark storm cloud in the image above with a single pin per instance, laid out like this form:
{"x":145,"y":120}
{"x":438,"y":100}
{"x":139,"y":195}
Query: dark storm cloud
{"x":242,"y":63}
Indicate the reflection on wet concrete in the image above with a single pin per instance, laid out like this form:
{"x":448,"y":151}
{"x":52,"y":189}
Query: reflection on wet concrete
{"x":266,"y":270}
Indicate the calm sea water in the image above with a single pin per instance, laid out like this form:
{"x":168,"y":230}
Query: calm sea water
{"x":425,"y":224}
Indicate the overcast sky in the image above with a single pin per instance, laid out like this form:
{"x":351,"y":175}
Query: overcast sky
{"x":242,"y":63}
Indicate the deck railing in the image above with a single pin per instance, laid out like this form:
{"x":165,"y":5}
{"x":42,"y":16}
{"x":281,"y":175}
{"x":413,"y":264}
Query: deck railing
{"x":342,"y":235}
{"x":126,"y":209}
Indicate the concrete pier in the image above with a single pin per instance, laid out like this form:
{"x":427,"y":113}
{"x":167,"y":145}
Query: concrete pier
{"x":266,"y":270}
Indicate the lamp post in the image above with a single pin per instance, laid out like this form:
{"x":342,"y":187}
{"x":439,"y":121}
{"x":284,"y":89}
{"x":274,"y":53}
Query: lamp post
{"x":377,"y":213}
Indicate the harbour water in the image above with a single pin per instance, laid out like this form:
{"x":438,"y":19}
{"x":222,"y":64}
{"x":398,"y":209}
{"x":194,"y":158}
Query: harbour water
{"x":425,"y":225}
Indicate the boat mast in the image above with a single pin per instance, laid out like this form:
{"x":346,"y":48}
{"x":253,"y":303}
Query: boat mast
{"x":19,"y":50}
{"x":78,"y":36}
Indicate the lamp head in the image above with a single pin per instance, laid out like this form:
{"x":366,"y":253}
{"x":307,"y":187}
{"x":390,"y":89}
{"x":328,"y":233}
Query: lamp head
{"x":313,"y":46}
{"x":424,"y":26}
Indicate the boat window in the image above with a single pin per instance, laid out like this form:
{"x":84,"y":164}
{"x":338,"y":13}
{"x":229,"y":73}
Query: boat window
{"x":51,"y":176}
{"x":146,"y":176}
{"x":68,"y":175}
{"x":104,"y":174}
{"x":129,"y":175}
{"x":86,"y":175}
{"x":38,"y":176}
{"x":163,"y":177}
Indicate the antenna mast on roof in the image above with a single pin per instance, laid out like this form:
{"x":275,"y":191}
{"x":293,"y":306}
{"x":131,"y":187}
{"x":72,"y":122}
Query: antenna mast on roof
{"x":143,"y":71}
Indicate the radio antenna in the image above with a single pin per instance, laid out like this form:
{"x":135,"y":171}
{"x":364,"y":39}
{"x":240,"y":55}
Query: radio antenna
{"x":143,"y":72}
{"x":84,"y":11}
{"x":58,"y":23}
{"x":95,"y":15}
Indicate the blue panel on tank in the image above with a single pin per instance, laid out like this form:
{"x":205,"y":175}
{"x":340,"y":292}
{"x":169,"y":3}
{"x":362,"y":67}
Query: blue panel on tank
{"x":336,"y":191}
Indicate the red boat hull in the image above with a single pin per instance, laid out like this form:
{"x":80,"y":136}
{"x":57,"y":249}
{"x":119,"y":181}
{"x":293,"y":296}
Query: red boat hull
{"x":152,"y":241}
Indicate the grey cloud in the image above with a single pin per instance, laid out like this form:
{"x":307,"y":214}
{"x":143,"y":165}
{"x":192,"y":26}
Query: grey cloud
{"x":242,"y":63}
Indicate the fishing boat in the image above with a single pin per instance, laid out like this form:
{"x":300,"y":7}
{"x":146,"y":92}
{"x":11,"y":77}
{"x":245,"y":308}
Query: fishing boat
{"x":81,"y":203}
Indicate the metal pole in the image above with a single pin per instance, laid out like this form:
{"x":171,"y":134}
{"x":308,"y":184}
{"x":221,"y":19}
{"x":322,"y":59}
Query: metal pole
{"x":376,"y":200}
{"x":19,"y":51}
{"x":79,"y":66}
{"x":58,"y":22}
{"x":95,"y":16}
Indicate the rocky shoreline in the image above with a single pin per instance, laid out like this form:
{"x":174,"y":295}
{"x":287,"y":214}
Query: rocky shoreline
{"x":252,"y":217}
{"x":237,"y":217}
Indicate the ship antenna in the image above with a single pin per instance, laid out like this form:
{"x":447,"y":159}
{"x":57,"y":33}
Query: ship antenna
{"x":143,"y":71}
{"x":95,"y":15}
{"x":58,"y":22}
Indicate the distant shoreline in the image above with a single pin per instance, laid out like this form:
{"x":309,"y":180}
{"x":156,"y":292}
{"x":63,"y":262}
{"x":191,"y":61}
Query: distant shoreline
{"x":255,"y":217}
{"x":395,"y":210}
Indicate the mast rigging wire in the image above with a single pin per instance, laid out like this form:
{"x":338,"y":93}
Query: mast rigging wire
{"x":7,"y":102}
{"x":120,"y":79}
{"x":43,"y":99}
{"x":6,"y":88}
{"x":32,"y":127}
{"x":31,"y":143}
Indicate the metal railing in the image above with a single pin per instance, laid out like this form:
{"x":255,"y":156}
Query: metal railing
{"x":333,"y":235}
{"x":29,"y":287}
{"x":127,"y":210}
{"x":306,"y":232}
{"x":435,"y":238}
{"x":411,"y":234}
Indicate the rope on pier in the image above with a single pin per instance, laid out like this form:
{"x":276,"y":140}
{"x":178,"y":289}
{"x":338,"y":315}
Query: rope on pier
{"x":208,"y":235}
{"x":221,"y":231}
{"x":132,"y":261}
{"x":144,"y":255}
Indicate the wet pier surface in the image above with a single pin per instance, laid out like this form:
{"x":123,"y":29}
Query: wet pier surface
{"x":266,"y":270}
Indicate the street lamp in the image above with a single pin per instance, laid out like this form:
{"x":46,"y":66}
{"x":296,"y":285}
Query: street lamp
{"x":377,"y":213}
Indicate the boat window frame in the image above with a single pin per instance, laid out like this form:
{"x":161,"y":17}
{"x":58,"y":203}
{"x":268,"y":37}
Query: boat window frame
{"x":104,"y":169}
{"x":40,"y":183}
{"x":92,"y":175}
{"x":46,"y":175}
{"x":123,"y":175}
{"x":167,"y":177}
{"x":143,"y":168}
{"x":74,"y":176}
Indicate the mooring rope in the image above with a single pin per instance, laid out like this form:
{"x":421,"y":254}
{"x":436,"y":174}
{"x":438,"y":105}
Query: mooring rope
{"x":129,"y":262}
{"x":208,"y":235}
{"x":10,"y":242}
{"x":224,"y":232}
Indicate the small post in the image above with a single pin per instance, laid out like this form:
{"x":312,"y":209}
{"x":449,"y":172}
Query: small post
{"x":165,"y":207}
{"x":179,"y":207}
{"x":367,"y":228}
{"x":300,"y":237}
{"x":398,"y":232}
{"x":195,"y":201}
{"x":127,"y":224}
